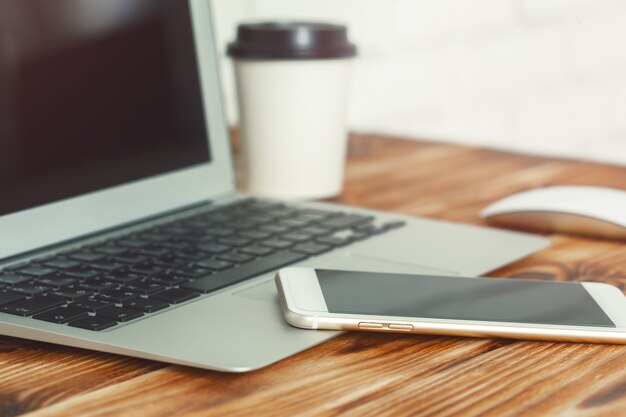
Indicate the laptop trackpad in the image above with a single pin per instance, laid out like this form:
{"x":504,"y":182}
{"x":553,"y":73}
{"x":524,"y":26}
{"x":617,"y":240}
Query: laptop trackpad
{"x":267,"y":290}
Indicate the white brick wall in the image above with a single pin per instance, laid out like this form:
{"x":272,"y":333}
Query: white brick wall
{"x":546,"y":76}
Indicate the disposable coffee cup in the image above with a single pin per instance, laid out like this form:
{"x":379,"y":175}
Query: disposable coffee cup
{"x":292,"y":87}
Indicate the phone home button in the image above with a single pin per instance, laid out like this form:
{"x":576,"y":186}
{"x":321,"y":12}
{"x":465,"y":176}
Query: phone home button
{"x":366,"y":325}
{"x":403,"y":327}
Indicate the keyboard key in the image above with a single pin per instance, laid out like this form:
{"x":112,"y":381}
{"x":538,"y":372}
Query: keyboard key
{"x":154,"y":237}
{"x":191,"y":254}
{"x":145,"y":287}
{"x":275,"y":228}
{"x":7,"y":297}
{"x":119,"y":313}
{"x":237,"y":258}
{"x":192,"y":271}
{"x":261,"y":218}
{"x":154,"y":251}
{"x":366,"y":226}
{"x":62,"y":264}
{"x":83,"y":273}
{"x":169,"y":278}
{"x":147,"y":267}
{"x":30,"y":289}
{"x":255,"y":234}
{"x":133,"y":243}
{"x":243,"y":224}
{"x":333,"y":240}
{"x":257,"y":250}
{"x":177,"y":230}
{"x":311,"y":248}
{"x":365,"y":230}
{"x":108,"y":265}
{"x":95,"y":323}
{"x":294,"y":223}
{"x":14,"y":279}
{"x":214,"y":248}
{"x":147,"y":305}
{"x":214,"y":264}
{"x":111,"y":250}
{"x":357,"y":235}
{"x":33,"y":305}
{"x":235,"y":241}
{"x":264,"y":205}
{"x":253,"y":219}
{"x":176,"y":245}
{"x":87,"y":256}
{"x":228,"y":211}
{"x":248,"y":270}
{"x":98,"y":284}
{"x":90,"y":305}
{"x":277,"y":243}
{"x":315,"y":230}
{"x":124,"y":276}
{"x":218,"y":232}
{"x":45,"y":258}
{"x":283,"y":212}
{"x":61,"y":315}
{"x":319,"y":214}
{"x":171,"y":262}
{"x":175,"y":295}
{"x":199,"y":224}
{"x":216,"y":220}
{"x":394,"y":225}
{"x":74,"y":294}
{"x":116,"y":296}
{"x":197,"y":239}
{"x":131,"y":258}
{"x":297,"y":237}
{"x":37,"y":271}
{"x":17,"y":266}
{"x":343,"y":222}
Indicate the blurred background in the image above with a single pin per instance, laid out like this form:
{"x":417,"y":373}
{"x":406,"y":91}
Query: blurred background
{"x":536,"y":76}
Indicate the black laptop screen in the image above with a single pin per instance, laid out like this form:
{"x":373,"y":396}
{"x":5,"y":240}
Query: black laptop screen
{"x":95,"y":94}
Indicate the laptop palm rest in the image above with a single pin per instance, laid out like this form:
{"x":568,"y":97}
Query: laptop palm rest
{"x":350,"y":262}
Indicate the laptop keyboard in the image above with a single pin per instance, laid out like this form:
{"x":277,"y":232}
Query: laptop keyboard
{"x":118,"y":280}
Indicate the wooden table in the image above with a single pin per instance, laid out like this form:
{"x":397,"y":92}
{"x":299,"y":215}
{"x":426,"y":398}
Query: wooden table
{"x":373,"y":374}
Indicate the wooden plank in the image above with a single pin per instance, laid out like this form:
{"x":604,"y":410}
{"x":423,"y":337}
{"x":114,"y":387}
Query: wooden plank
{"x":374,"y":374}
{"x":34,"y":375}
{"x":319,"y":379}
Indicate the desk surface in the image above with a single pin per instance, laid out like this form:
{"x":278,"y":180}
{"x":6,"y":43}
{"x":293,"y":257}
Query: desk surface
{"x":373,"y":374}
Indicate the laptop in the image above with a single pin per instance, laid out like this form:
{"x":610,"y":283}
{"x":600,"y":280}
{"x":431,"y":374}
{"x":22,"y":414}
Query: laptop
{"x":121,"y":228}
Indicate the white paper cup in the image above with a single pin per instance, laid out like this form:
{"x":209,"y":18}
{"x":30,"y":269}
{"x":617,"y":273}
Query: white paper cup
{"x":292,"y":108}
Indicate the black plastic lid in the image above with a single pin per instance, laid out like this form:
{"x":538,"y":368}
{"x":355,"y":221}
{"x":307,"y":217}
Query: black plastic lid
{"x":291,"y":40}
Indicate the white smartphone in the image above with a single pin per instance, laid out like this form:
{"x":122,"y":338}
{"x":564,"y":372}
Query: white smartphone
{"x":478,"y":307}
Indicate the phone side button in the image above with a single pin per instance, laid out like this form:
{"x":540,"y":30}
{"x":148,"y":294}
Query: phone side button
{"x":404,"y":327}
{"x":366,"y":325}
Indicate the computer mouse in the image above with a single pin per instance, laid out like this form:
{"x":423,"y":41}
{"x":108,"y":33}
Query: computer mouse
{"x":591,"y":211}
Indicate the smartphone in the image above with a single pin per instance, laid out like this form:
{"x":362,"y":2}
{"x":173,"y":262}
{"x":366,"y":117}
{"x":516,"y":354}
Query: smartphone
{"x":452,"y":305}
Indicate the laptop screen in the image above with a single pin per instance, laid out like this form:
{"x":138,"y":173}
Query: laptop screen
{"x":94,"y":94}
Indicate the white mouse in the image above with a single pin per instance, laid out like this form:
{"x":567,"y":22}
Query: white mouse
{"x":591,"y":211}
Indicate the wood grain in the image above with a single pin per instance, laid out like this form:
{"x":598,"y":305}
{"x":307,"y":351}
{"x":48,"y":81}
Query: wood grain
{"x":363,"y":374}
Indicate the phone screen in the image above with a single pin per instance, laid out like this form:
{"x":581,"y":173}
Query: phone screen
{"x":457,"y":298}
